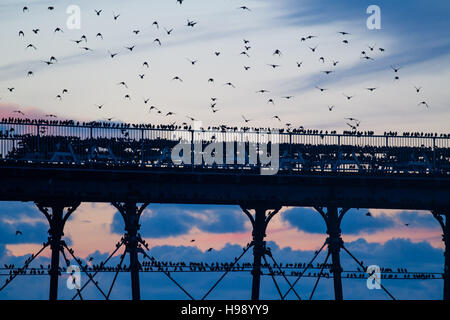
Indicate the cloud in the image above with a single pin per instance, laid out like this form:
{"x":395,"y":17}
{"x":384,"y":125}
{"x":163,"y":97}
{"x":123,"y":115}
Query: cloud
{"x":355,"y":222}
{"x":159,"y":221}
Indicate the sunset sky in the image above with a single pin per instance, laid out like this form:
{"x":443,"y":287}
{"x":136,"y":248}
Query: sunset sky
{"x":413,"y":34}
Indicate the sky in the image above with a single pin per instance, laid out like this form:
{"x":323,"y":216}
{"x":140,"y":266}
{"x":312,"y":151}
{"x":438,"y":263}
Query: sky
{"x":414,"y":35}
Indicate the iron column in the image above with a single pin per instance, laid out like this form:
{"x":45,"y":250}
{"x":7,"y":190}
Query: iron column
{"x":334,"y":247}
{"x":258,"y":249}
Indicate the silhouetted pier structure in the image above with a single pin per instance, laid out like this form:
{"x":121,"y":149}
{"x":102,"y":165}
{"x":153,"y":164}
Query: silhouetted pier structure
{"x":129,"y":165}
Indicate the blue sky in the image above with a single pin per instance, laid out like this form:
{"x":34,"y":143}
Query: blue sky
{"x":415,"y":35}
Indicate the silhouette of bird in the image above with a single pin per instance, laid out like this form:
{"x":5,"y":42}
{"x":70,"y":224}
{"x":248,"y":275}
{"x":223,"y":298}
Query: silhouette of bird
{"x":313,"y":49}
{"x":395,"y":69}
{"x":116,"y":16}
{"x":368,"y":214}
{"x":157,"y":41}
{"x":210,"y":249}
{"x":112,"y":55}
{"x":25,"y":9}
{"x":58,"y":30}
{"x":246,"y":120}
{"x":99,"y":35}
{"x":21,"y":34}
{"x":31,"y":46}
{"x":98,"y":12}
{"x":18,"y":232}
{"x":193,"y":62}
{"x":372,"y":89}
{"x":276,"y":117}
{"x":229,"y":84}
{"x":418,"y":89}
{"x":424,"y":103}
{"x":348,"y":97}
{"x":191,"y":23}
{"x":177,"y":78}
{"x":330,"y":108}
{"x":168,"y":31}
{"x":122,"y":83}
{"x":344,"y":33}
{"x":130,"y":48}
{"x":244,"y":8}
{"x":273,"y":65}
{"x":321,"y":89}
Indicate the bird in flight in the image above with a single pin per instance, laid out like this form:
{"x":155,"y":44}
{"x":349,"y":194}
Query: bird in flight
{"x":130,"y":48}
{"x":116,"y":16}
{"x":123,"y":84}
{"x":31,"y":46}
{"x":418,"y":89}
{"x":19,"y":112}
{"x":244,"y":8}
{"x":98,"y":12}
{"x":328,"y":72}
{"x":395,"y":69}
{"x":344,"y":33}
{"x":112,"y":55}
{"x":168,"y":31}
{"x":424,"y":103}
{"x":321,"y":89}
{"x":276,"y":117}
{"x":157,"y":41}
{"x":262,"y":91}
{"x":246,"y":120}
{"x":18,"y":232}
{"x":177,"y":78}
{"x":193,"y":62}
{"x":99,"y":106}
{"x":191,"y":23}
{"x":274,"y":65}
{"x":313,"y":49}
{"x":348,"y":97}
{"x":229,"y":84}
{"x":372,"y":89}
{"x":155,"y":23}
{"x":330,"y":108}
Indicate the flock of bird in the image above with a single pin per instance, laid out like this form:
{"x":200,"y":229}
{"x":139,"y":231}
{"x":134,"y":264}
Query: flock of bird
{"x":329,"y":67}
